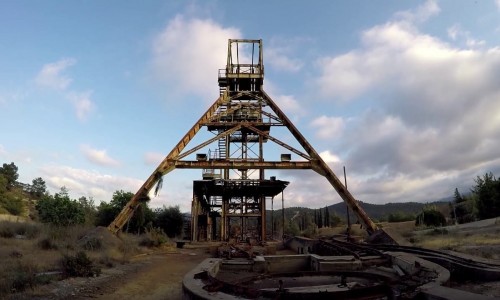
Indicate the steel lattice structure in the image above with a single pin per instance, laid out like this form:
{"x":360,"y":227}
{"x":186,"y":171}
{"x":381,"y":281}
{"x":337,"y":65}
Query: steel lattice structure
{"x":241,"y":118}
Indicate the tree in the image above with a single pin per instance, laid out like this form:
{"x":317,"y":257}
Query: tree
{"x":170,"y":219}
{"x":3,"y":184}
{"x":107,"y":212}
{"x":457,"y":196}
{"x":9,"y":171}
{"x":38,"y":188}
{"x":462,"y":208}
{"x":60,"y":210}
{"x":400,"y":217}
{"x":89,"y":209}
{"x":430,"y":216}
{"x":327,"y":217}
{"x":487,"y":190}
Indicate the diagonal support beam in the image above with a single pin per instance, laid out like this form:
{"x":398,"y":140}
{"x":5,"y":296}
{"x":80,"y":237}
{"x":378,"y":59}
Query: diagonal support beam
{"x":166,"y":166}
{"x":322,"y":168}
{"x":208,"y":142}
{"x":282,"y":144}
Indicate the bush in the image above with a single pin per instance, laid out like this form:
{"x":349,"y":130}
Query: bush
{"x":400,"y":217}
{"x":12,"y":204}
{"x":79,"y":265}
{"x":24,"y":276}
{"x":170,"y":220}
{"x":92,"y":244}
{"x":430,"y":217}
{"x":154,"y":237}
{"x":11,"y":229}
{"x":47,"y":244}
{"x":60,"y":210}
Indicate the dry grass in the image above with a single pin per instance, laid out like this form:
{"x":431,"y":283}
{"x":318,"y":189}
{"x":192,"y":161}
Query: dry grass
{"x":453,"y":241}
{"x":484,"y":242}
{"x":30,"y":249}
{"x":356,"y":231}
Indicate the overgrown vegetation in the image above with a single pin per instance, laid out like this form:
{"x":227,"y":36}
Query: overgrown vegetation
{"x":79,"y":265}
{"x":483,"y":201}
{"x":60,"y":210}
{"x":430,"y":216}
{"x":68,"y":240}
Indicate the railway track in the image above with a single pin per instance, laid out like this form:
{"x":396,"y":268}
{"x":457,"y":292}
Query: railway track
{"x":461,"y":269}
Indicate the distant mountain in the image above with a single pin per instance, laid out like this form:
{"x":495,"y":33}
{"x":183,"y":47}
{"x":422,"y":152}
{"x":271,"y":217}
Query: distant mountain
{"x":374,"y":211}
{"x":382,"y":211}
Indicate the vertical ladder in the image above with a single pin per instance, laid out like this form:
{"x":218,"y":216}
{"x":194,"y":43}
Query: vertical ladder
{"x":222,"y":148}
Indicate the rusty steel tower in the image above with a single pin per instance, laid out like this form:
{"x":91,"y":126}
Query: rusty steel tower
{"x":234,"y":186}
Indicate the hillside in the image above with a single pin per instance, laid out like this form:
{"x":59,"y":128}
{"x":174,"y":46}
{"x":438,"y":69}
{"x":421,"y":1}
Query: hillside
{"x":377,"y":212}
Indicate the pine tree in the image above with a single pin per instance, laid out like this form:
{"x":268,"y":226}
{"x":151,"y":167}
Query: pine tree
{"x":327,"y":217}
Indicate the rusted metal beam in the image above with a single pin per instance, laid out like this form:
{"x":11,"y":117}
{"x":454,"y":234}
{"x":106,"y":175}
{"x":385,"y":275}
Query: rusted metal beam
{"x":242,"y":165}
{"x":204,"y":144}
{"x":322,"y":168}
{"x":282,"y":144}
{"x":165,"y":167}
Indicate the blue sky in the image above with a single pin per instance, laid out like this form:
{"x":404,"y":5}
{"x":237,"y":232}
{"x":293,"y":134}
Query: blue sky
{"x":93,"y":94}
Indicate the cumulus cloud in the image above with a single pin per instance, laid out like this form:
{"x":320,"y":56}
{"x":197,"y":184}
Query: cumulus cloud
{"x":436,"y":120}
{"x":99,"y":157}
{"x":421,"y":14}
{"x":328,"y":128}
{"x":188,"y":53}
{"x":82,"y":103}
{"x":279,"y":59}
{"x":329,"y":157}
{"x":52,"y":76}
{"x":456,"y":33}
{"x":87,"y":183}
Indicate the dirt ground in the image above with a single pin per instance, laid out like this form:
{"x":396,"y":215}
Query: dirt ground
{"x":157,"y":275}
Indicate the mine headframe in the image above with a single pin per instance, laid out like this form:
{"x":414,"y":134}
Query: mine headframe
{"x":241,"y":120}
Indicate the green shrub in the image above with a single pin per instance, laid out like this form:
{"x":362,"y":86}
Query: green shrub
{"x":28,"y":230}
{"x":60,"y":210}
{"x":10,"y":229}
{"x":153,"y":237}
{"x":6,"y":231}
{"x":430,"y":217}
{"x":92,"y":244}
{"x":47,"y":244}
{"x":79,"y":265}
{"x":23,"y":277}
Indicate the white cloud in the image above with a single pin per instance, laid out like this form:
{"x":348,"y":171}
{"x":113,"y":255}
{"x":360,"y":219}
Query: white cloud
{"x":288,"y":104}
{"x":99,"y":157}
{"x":434,"y":117}
{"x":188,"y":53}
{"x":456,"y":33}
{"x":153,"y":158}
{"x":2,"y":150}
{"x":82,"y":103}
{"x":328,"y":128}
{"x":497,"y":3}
{"x":421,"y":14}
{"x":52,"y":76}
{"x":278,"y":58}
{"x":87,"y":183}
{"x":329,"y":157}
